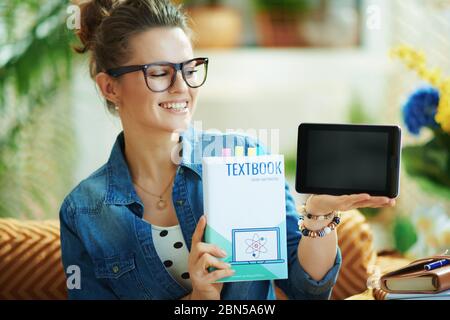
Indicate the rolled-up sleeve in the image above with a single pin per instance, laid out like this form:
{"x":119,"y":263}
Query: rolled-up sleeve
{"x":300,"y":285}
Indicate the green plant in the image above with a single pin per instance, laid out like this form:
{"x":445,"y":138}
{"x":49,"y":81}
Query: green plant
{"x":290,"y":165}
{"x":195,"y":3}
{"x":429,"y":163}
{"x":404,"y":233}
{"x":36,"y":145}
{"x":283,"y":5}
{"x":357,"y":113}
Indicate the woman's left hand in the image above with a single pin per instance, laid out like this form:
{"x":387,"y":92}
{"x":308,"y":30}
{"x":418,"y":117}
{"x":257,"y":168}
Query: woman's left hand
{"x":319,"y":204}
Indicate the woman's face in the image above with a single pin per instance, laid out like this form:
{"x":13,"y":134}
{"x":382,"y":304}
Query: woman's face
{"x":141,"y":107}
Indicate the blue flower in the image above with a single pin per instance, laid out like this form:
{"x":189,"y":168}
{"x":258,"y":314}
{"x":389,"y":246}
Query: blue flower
{"x":420,"y":109}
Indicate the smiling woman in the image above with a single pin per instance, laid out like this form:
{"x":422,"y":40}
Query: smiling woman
{"x":134,"y":243}
{"x":135,"y":227}
{"x":159,"y":91}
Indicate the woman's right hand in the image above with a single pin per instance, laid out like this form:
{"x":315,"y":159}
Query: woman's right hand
{"x":202,"y":256}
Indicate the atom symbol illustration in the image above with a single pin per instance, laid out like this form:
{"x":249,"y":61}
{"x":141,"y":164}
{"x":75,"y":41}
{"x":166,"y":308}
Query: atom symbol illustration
{"x":256,"y":246}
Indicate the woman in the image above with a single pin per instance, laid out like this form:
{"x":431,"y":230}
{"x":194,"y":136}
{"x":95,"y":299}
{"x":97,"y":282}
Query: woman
{"x":134,"y":227}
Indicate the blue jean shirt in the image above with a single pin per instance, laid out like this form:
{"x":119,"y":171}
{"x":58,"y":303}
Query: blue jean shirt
{"x":104,"y":235}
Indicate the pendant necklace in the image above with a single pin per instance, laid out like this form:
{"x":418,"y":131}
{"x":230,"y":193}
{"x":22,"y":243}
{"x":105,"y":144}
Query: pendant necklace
{"x":162,"y":203}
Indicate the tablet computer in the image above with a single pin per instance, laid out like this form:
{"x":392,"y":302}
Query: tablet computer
{"x":340,"y":159}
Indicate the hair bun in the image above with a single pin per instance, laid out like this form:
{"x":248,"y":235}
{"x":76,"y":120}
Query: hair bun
{"x":92,"y":14}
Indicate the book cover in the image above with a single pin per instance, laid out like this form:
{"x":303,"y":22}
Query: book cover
{"x":444,"y":295}
{"x":244,"y":202}
{"x":379,"y":294}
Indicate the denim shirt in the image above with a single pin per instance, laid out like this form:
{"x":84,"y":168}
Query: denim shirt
{"x":104,"y":235}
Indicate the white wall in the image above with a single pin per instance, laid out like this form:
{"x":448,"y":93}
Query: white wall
{"x":253,"y":88}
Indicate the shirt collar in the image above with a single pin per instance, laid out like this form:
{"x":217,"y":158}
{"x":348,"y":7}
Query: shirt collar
{"x":120,"y":188}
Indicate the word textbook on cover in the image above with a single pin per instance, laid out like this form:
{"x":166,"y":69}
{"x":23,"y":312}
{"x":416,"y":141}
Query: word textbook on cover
{"x":244,"y":202}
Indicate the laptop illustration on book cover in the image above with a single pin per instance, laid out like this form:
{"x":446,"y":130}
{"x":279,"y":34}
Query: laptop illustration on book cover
{"x":258,"y":245}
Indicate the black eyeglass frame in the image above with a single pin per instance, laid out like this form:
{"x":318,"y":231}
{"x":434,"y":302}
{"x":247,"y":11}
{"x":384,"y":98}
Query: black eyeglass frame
{"x":117,"y":72}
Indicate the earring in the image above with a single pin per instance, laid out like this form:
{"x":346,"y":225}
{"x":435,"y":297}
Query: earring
{"x":116,"y":107}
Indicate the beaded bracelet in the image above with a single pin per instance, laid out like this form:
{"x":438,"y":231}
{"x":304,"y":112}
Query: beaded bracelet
{"x":328,"y":216}
{"x":321,"y":232}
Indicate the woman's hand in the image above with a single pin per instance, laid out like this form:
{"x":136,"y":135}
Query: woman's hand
{"x":201,"y":257}
{"x":322,"y":203}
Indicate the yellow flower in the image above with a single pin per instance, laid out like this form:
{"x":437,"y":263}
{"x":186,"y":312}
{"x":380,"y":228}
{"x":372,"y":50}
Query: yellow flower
{"x":416,"y":61}
{"x":425,"y":224}
{"x":434,"y":77}
{"x":432,"y":241}
{"x":444,"y":239}
{"x":432,"y":226}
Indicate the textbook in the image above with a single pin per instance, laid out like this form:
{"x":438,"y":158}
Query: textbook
{"x":244,"y":202}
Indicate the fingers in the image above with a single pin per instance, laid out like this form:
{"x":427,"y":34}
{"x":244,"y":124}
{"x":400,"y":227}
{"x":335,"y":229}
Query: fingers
{"x":219,"y":274}
{"x":201,"y":248}
{"x":199,"y":230}
{"x":224,"y":269}
{"x":204,"y":280}
{"x":208,"y":260}
{"x":200,"y":273}
{"x":363,"y":200}
{"x":354,"y":198}
{"x":375,"y":202}
{"x":204,"y":255}
{"x":347,"y":202}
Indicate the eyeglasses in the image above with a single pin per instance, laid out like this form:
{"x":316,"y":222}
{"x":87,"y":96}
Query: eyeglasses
{"x":160,"y":76}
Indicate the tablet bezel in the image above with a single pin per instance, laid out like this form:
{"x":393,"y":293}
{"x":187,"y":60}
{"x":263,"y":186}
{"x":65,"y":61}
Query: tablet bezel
{"x":391,"y":189}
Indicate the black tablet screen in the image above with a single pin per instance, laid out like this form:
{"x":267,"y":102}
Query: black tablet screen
{"x":347,"y":159}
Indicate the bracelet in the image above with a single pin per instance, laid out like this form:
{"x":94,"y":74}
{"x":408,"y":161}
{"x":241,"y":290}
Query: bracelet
{"x":327,"y":216}
{"x":321,"y":232}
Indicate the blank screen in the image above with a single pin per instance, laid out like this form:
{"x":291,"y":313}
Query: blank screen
{"x":347,"y":159}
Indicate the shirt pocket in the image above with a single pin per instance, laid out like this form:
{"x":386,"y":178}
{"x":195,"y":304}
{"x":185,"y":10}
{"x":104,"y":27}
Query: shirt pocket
{"x":123,"y":276}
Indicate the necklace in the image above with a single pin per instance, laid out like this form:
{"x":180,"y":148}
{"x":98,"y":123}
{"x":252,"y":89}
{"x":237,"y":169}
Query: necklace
{"x":161,"y":204}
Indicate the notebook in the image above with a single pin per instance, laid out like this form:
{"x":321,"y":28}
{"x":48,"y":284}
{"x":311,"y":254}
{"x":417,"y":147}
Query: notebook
{"x":244,"y":202}
{"x":444,"y":295}
{"x":413,"y":278}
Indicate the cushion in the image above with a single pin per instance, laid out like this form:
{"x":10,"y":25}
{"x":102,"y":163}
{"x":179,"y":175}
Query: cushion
{"x":31,"y":268}
{"x":386,"y":263}
{"x":30,"y":260}
{"x":355,"y":240}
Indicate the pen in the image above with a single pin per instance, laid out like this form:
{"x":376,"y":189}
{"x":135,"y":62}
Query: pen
{"x":436,"y":264}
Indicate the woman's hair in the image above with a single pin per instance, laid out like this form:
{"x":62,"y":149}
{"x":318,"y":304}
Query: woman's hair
{"x":108,"y":25}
